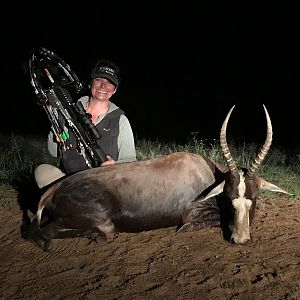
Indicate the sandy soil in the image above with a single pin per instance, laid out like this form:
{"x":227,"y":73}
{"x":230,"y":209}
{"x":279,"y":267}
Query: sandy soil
{"x":158,"y":264}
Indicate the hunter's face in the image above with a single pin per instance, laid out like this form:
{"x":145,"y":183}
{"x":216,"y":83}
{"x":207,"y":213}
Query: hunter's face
{"x":102,"y":89}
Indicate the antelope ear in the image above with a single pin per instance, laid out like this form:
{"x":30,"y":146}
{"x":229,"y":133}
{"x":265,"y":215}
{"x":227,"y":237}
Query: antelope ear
{"x":215,"y":191}
{"x":264,"y":185}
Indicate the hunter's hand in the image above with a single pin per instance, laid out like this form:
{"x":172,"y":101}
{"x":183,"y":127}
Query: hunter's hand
{"x":109,"y":161}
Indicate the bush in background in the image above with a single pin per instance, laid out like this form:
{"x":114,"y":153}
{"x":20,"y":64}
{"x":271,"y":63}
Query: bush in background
{"x":19,"y":157}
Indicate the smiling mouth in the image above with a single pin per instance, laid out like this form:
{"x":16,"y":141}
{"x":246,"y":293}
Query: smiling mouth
{"x":102,"y":92}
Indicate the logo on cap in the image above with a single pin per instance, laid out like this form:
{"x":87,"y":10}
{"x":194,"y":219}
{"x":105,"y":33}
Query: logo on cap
{"x":107,"y":70}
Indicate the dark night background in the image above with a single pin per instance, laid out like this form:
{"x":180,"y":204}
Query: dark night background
{"x":183,"y":65}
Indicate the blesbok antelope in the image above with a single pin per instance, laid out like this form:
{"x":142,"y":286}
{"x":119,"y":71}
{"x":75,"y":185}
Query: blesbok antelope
{"x":181,"y":189}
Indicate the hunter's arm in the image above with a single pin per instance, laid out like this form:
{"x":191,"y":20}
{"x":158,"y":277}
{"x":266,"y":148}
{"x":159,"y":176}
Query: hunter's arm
{"x":126,"y":142}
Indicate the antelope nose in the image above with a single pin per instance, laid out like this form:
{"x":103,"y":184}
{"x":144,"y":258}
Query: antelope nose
{"x":240,"y":241}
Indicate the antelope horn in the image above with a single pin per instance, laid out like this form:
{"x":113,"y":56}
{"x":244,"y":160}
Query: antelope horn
{"x":229,"y":159}
{"x":265,"y":149}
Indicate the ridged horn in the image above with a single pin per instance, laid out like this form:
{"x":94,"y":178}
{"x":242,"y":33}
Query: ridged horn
{"x":265,"y":149}
{"x":229,"y":159}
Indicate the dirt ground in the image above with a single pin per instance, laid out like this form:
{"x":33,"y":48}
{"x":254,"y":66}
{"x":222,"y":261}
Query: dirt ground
{"x":159,"y":264}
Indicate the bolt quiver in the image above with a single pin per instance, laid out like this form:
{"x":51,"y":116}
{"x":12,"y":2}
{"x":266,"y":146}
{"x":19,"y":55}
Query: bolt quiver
{"x":54,"y":84}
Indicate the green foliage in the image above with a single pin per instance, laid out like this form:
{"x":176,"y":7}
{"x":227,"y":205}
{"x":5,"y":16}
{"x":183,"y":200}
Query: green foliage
{"x":19,"y":156}
{"x":279,"y":167}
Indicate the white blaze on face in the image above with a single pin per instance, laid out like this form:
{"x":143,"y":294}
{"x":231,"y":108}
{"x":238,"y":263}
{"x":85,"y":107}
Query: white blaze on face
{"x":241,"y":231}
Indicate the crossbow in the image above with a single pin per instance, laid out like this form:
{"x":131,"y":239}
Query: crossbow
{"x":54,"y":83}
